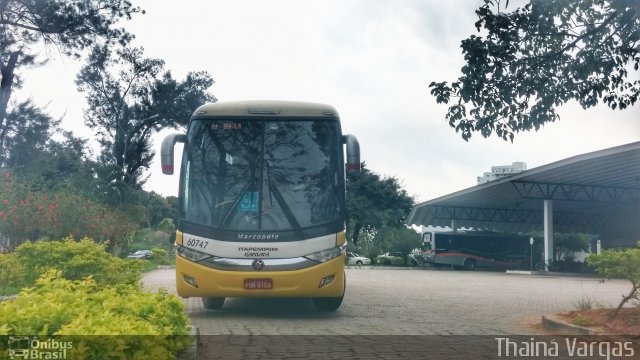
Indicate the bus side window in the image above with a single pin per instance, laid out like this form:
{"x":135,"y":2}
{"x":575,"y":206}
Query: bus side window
{"x":439,"y":246}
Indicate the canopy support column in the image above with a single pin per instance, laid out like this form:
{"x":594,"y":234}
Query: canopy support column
{"x":548,"y":233}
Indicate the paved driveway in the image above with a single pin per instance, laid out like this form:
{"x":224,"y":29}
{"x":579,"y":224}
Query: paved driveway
{"x":407,"y":302}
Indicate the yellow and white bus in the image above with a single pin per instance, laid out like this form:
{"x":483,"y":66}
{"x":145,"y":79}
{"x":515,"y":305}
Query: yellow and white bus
{"x":262,"y":202}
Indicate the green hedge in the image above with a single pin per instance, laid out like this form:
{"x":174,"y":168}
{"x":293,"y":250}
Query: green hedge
{"x":58,"y":306}
{"x":76,"y":289}
{"x":75,"y":259}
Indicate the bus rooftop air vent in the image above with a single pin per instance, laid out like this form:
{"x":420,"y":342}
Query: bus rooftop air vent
{"x":262,"y":110}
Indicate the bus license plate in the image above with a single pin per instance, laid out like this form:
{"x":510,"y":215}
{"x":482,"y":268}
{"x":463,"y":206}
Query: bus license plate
{"x":258,"y":284}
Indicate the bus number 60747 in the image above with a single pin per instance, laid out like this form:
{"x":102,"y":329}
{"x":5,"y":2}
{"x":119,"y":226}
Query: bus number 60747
{"x":197,"y":243}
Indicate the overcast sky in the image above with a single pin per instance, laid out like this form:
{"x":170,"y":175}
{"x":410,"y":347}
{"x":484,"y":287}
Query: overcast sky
{"x":371,"y":59}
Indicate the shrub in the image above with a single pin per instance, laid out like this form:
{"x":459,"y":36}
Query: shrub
{"x":167,"y":225}
{"x":584,"y":304}
{"x":75,"y":260}
{"x":58,"y":306}
{"x":10,"y":274}
{"x":148,"y":238}
{"x":160,"y":256}
{"x":32,"y":215}
{"x":581,"y":320}
{"x":619,"y":264}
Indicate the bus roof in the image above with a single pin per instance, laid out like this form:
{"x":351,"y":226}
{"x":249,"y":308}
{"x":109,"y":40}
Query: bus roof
{"x":262,"y":108}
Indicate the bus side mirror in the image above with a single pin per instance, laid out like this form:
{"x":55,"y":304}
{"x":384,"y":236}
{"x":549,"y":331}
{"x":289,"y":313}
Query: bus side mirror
{"x":166,"y":151}
{"x":353,"y":154}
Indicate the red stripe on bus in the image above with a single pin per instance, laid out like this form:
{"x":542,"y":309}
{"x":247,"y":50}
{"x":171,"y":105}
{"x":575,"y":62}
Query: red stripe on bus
{"x":473,"y":257}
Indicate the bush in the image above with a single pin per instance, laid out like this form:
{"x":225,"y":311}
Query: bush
{"x":10,"y":274}
{"x":32,"y":215}
{"x":581,"y":320}
{"x":148,"y":238}
{"x":58,"y":306}
{"x":160,"y":256}
{"x":584,"y":304}
{"x":619,"y":264}
{"x":167,"y":226}
{"x":75,"y":260}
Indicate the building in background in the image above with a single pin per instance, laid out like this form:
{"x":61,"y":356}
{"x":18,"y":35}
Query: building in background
{"x":498,"y":172}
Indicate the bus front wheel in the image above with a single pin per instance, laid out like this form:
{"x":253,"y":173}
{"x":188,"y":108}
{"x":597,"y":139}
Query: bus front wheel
{"x":469,"y":264}
{"x":327,"y":303}
{"x":212,"y":303}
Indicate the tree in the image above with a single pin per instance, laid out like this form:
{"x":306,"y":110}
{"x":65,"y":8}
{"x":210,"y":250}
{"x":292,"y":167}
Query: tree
{"x":66,"y":166}
{"x":538,"y":57}
{"x":566,"y":245}
{"x":26,"y":134}
{"x":159,"y":209}
{"x":374,"y":201}
{"x":131,"y":97}
{"x":32,"y":153}
{"x":622,"y":265}
{"x":68,"y":25}
{"x":399,"y":238}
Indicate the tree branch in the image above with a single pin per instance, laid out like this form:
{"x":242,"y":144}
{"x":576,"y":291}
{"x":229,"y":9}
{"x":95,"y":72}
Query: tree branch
{"x":570,"y":45}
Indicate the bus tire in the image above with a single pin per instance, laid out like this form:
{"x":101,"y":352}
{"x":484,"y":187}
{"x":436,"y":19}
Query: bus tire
{"x":327,"y":303}
{"x":211,"y":303}
{"x":469,"y":264}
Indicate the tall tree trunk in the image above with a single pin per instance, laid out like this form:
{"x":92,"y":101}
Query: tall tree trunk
{"x":632,"y":295}
{"x":356,"y":232}
{"x":7,"y":72}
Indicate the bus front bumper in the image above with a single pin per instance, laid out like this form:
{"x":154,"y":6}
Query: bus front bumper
{"x":195,"y":280}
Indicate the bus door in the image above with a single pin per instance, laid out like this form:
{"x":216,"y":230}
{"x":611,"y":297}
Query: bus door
{"x":428,"y":247}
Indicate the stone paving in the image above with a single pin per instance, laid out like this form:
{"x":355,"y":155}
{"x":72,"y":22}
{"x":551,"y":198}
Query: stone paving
{"x":407,"y":302}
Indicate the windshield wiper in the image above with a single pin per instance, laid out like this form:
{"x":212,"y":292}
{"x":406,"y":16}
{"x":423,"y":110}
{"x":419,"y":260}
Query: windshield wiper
{"x":231,"y":213}
{"x":291,"y":218}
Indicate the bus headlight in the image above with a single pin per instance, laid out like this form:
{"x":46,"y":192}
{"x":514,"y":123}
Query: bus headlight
{"x":189,"y":254}
{"x":329,"y":254}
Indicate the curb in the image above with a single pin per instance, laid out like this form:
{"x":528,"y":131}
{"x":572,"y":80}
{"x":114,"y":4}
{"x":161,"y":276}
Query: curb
{"x":382,"y":267}
{"x":524,"y":272}
{"x":553,"y":274}
{"x":192,"y":353}
{"x":8,"y":297}
{"x":561,"y":327}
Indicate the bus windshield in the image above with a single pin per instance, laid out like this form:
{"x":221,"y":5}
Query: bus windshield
{"x":241,"y":175}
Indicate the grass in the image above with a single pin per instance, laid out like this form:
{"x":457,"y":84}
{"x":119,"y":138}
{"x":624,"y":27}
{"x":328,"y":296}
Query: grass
{"x":9,"y":290}
{"x":584,"y":304}
{"x":582,"y":320}
{"x":587,"y":303}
